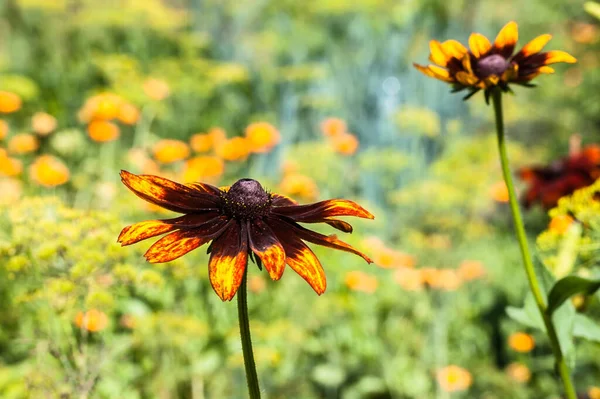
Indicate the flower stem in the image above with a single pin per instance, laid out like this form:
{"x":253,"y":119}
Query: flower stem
{"x":534,"y":285}
{"x":251,"y":376}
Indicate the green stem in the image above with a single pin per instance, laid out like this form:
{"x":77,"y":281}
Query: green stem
{"x":251,"y":376}
{"x":534,"y":285}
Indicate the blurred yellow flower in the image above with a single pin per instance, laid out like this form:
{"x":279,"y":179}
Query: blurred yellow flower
{"x":9,"y":102}
{"x":332,"y":127}
{"x":409,"y":279}
{"x":441,"y":279}
{"x":234,"y":149}
{"x":289,"y":167}
{"x":218,"y":135}
{"x":471,"y":270}
{"x":594,"y":392}
{"x":49,"y":171}
{"x":156,"y":89}
{"x":128,"y":114}
{"x":201,"y":142}
{"x":345,"y":143}
{"x":299,"y":186}
{"x":499,"y":192}
{"x":11,"y":190}
{"x":3,"y":129}
{"x":169,"y":151}
{"x":103,"y":106}
{"x":521,"y":342}
{"x":559,"y":224}
{"x":360,"y":281}
{"x":454,"y":378}
{"x":93,"y":320}
{"x":9,"y":167}
{"x":200,"y":168}
{"x":102,"y":131}
{"x":262,"y":137}
{"x":23,"y":143}
{"x":43,"y":123}
{"x":519,"y":372}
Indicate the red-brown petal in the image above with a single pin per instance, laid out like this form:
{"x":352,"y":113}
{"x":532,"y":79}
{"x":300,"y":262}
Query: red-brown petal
{"x":282,"y":200}
{"x":180,"y":242}
{"x":267,"y":247}
{"x":339,"y":224}
{"x":152,"y":228}
{"x":169,"y":194}
{"x":228,"y":260}
{"x":283,"y":227}
{"x":304,"y":262}
{"x":323,"y":210}
{"x":204,"y":188}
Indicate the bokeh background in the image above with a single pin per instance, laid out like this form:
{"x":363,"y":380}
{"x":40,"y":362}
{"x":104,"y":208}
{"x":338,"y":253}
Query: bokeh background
{"x":316,"y":99}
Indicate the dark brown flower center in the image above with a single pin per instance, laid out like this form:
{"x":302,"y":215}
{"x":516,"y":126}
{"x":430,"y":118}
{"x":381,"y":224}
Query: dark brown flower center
{"x":246,"y":199}
{"x":491,"y":65}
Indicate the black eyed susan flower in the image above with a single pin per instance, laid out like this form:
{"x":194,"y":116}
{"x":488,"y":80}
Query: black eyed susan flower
{"x":240,"y":222}
{"x":487,"y":65}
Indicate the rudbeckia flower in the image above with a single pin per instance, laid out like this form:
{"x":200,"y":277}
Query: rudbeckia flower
{"x":240,"y":222}
{"x":485,"y":65}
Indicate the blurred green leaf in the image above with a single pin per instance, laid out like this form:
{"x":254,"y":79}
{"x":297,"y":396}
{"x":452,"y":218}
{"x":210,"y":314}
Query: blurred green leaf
{"x":592,"y":8}
{"x":586,"y":328}
{"x":567,"y":287}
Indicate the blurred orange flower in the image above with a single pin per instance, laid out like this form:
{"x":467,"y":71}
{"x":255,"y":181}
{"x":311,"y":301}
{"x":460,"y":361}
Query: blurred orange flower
{"x":409,"y":279}
{"x":9,"y":167}
{"x":594,"y":392}
{"x":93,"y":320}
{"x":256,"y":284}
{"x":560,"y":224}
{"x":518,"y":372}
{"x":471,"y":270}
{"x":390,"y":258}
{"x":43,"y":123}
{"x":499,"y":192}
{"x":521,"y":342}
{"x":203,"y":168}
{"x":11,"y":190}
{"x":360,"y":281}
{"x":299,"y":186}
{"x":345,"y":143}
{"x":23,"y":143}
{"x":262,"y":137}
{"x":234,"y":149}
{"x":442,"y":279}
{"x":156,"y":89}
{"x":9,"y":102}
{"x":169,"y":151}
{"x":218,"y":135}
{"x":333,"y":127}
{"x":102,"y":131}
{"x":454,"y":378}
{"x":49,"y":171}
{"x":142,"y":162}
{"x":201,"y":142}
{"x":103,"y":106}
{"x":3,"y":129}
{"x":584,"y":33}
{"x":128,"y":114}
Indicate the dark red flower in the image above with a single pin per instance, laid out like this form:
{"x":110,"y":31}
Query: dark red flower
{"x":547,"y":184}
{"x":243,"y":220}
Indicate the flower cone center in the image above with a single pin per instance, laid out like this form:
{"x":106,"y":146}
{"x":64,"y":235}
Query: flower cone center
{"x":246,"y":199}
{"x":491,"y":65}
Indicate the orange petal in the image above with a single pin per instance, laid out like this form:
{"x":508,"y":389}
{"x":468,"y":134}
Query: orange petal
{"x":174,"y":245}
{"x":152,"y":228}
{"x":265,"y":244}
{"x":507,"y":39}
{"x":228,"y":260}
{"x":440,"y":73}
{"x":466,"y":63}
{"x":168,"y":194}
{"x":304,"y":262}
{"x":454,"y":49}
{"x":535,"y":46}
{"x":554,"y":56}
{"x":321,"y":211}
{"x":466,"y":79}
{"x":284,"y":227}
{"x":437,"y":55}
{"x":479,"y":45}
{"x":424,"y":70}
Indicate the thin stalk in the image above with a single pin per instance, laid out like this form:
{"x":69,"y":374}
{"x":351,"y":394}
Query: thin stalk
{"x":251,"y":376}
{"x":534,"y":285}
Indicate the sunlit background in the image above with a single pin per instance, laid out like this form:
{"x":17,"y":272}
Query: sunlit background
{"x":316,"y":99}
